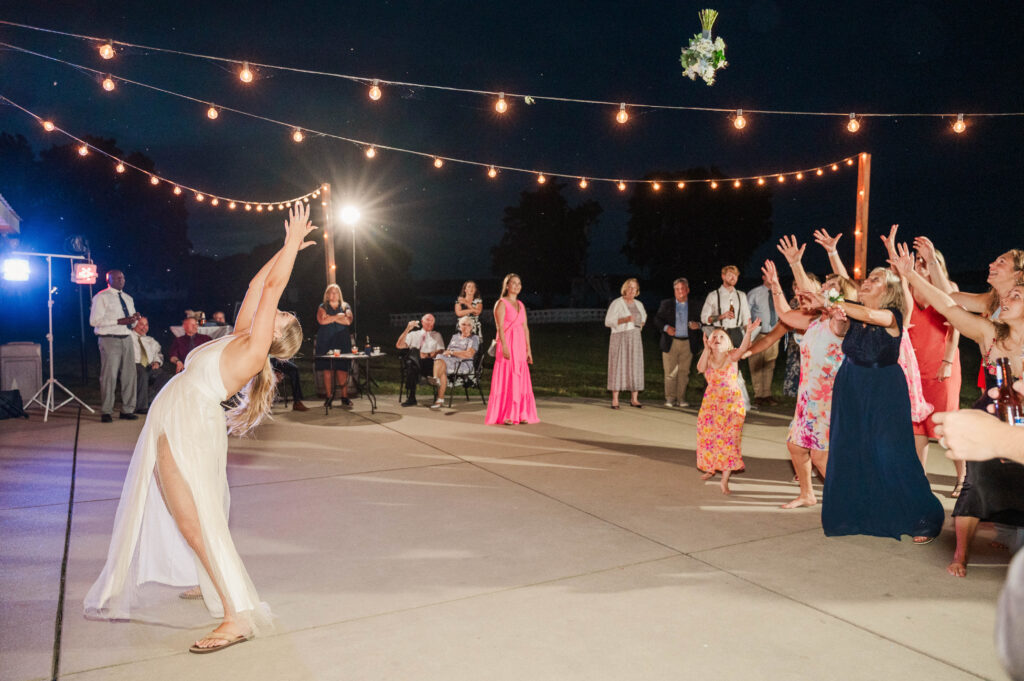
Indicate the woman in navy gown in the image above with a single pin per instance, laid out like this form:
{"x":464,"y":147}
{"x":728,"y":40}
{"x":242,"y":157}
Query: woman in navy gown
{"x":874,"y":483}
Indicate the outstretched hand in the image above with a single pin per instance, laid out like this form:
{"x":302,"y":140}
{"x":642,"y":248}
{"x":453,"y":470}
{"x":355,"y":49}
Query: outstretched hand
{"x":902,"y":261}
{"x":826,"y":241}
{"x":298,"y":226}
{"x":789,"y":248}
{"x":771,"y":274}
{"x":925,"y":248}
{"x":753,"y":326}
{"x":890,"y":242}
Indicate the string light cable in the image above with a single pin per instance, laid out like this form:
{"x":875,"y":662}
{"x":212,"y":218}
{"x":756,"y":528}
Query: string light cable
{"x":376,"y":82}
{"x":437,"y":159}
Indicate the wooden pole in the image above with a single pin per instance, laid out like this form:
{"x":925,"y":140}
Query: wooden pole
{"x":325,"y":201}
{"x":860,"y":225}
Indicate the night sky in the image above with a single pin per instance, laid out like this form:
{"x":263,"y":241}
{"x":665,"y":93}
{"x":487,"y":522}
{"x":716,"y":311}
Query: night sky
{"x":963,"y":190}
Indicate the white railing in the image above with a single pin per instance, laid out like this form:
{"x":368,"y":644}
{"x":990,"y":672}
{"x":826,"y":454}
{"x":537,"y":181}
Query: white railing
{"x":567,"y":315}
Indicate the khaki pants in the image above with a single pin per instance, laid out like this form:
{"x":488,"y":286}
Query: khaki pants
{"x":762,"y":368}
{"x":117,"y":357}
{"x":676,"y":363}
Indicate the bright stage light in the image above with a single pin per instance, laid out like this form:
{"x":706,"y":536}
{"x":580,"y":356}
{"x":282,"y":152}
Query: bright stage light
{"x":16,"y":269}
{"x":350,"y":215}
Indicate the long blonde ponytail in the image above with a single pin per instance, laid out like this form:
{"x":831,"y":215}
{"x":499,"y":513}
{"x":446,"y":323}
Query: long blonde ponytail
{"x":257,"y":396}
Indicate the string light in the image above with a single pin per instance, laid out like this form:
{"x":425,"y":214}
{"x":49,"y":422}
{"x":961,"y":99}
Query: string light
{"x":799,"y":176}
{"x":849,"y":161}
{"x":760,"y":181}
{"x":541,"y":179}
{"x":200,"y":197}
{"x":119,"y":167}
{"x":370,"y":152}
{"x":656,"y":186}
{"x":375,"y":90}
{"x":215,"y":201}
{"x":714,"y":185}
{"x":959,"y":126}
{"x":154,"y":180}
{"x":819,"y":171}
{"x":681,"y":185}
{"x":583,"y":183}
{"x":297,"y":135}
{"x":492,"y":172}
{"x":622,"y":186}
{"x":249,"y":207}
{"x":231,"y":206}
{"x":835,"y":166}
{"x":212,"y":113}
{"x":177,"y":191}
{"x":739,"y":121}
{"x":737,"y":184}
{"x":48,"y":126}
{"x":864,"y":156}
{"x":108,"y":84}
{"x":83,"y":150}
{"x":107,"y":51}
{"x":782,"y":178}
{"x":245,"y":75}
{"x":501,"y":106}
{"x":259,"y":208}
{"x":622,"y":116}
{"x":854,"y":124}
{"x":438,"y":162}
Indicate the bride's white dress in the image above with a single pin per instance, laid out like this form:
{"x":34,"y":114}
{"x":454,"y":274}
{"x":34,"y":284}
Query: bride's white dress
{"x":146,"y":548}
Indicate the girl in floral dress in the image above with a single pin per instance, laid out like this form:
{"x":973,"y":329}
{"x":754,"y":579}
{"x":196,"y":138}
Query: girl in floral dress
{"x":720,"y":421}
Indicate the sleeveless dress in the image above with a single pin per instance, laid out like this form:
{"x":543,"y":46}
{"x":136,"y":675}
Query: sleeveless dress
{"x":821,"y":355}
{"x":720,"y":421}
{"x":928,"y":336}
{"x":874,"y":483}
{"x":146,"y":548}
{"x":333,"y":336}
{"x":511,"y":397}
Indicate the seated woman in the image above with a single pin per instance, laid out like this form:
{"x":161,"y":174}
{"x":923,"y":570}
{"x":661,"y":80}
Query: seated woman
{"x":461,"y":347}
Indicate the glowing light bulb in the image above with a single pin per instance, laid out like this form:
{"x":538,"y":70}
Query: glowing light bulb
{"x":212,"y":113}
{"x":270,"y":207}
{"x":438,"y":163}
{"x":280,"y":206}
{"x":249,"y":207}
{"x":737,"y":184}
{"x":245,"y":75}
{"x":154,"y":180}
{"x":799,"y":176}
{"x":656,"y":186}
{"x":622,"y":186}
{"x":739,"y":121}
{"x":782,"y":178}
{"x":861,"y":192}
{"x":107,"y":51}
{"x":370,"y":152}
{"x":200,"y":197}
{"x":622,"y":116}
{"x":760,"y":181}
{"x":215,"y":201}
{"x":231,"y":206}
{"x":177,"y":191}
{"x":109,"y":84}
{"x":959,"y":126}
{"x":864,"y":156}
{"x":83,"y":150}
{"x":297,"y":135}
{"x":541,"y":179}
{"x":492,"y":172}
{"x":681,"y":185}
{"x":835,"y":166}
{"x":259,"y":208}
{"x":854,"y":124}
{"x":325,"y":186}
{"x":583,"y":183}
{"x":849,"y":161}
{"x":48,"y":126}
{"x":501,"y":106}
{"x":119,"y":167}
{"x":819,"y":171}
{"x":714,"y":185}
{"x":375,"y":90}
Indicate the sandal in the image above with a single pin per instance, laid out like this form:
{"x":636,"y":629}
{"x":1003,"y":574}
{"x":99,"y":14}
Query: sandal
{"x":637,"y":405}
{"x":921,"y":541}
{"x":957,"y":488}
{"x":193,"y":594}
{"x":228,"y":642}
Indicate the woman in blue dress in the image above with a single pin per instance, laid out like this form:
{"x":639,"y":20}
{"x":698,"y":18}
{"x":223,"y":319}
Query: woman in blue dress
{"x":874,"y":483}
{"x":334,"y":317}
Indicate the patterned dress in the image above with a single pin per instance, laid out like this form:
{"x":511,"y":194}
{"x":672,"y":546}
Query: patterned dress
{"x":821,"y":354}
{"x":720,"y":421}
{"x":626,"y":356}
{"x":920,"y":408}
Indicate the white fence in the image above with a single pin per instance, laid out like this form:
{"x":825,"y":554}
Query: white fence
{"x":565,"y":315}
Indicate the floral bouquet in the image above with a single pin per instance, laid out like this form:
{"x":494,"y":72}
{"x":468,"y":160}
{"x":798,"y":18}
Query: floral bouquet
{"x":832,"y":296}
{"x":704,"y":56}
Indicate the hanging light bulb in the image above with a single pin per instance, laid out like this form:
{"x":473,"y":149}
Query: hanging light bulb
{"x":656,"y":186}
{"x":109,"y":84}
{"x":959,"y":126}
{"x":259,"y":208}
{"x":83,"y":150}
{"x":864,"y":156}
{"x":438,"y":162}
{"x":501,"y":106}
{"x":799,"y":176}
{"x":231,"y":206}
{"x":48,"y":126}
{"x":583,"y":183}
{"x":245,"y":75}
{"x":782,"y":178}
{"x":737,"y":184}
{"x":375,"y":90}
{"x":212,"y":113}
{"x":854,"y":124}
{"x":714,"y":185}
{"x":248,"y":206}
{"x":622,"y":116}
{"x":760,"y":181}
{"x":177,"y":191}
{"x":622,"y":186}
{"x":154,"y":180}
{"x":297,"y":135}
{"x":541,"y":179}
{"x":215,"y":201}
{"x":370,"y":152}
{"x":492,"y":172}
{"x":199,"y":197}
{"x":119,"y":167}
{"x":681,"y":185}
{"x":819,"y":171}
{"x":107,"y":51}
{"x":739,"y":121}
{"x":849,"y":161}
{"x":270,"y":207}
{"x":835,"y":166}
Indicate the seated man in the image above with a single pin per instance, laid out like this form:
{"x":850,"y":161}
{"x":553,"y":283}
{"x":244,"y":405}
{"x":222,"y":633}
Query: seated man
{"x":148,"y":360}
{"x":186,"y":343}
{"x":424,"y":345}
{"x":291,"y":372}
{"x":218,"y":319}
{"x":463,"y":346}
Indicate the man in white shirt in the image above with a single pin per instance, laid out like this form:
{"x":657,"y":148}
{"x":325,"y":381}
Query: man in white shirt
{"x":726,"y":308}
{"x":148,"y":360}
{"x":111,"y":317}
{"x":762,"y":365}
{"x":424,"y":345}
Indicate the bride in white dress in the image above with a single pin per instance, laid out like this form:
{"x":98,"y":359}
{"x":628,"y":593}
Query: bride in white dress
{"x":171,"y":526}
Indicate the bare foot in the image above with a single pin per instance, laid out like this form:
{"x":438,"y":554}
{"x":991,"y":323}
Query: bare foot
{"x":801,"y":501}
{"x":725,"y":486}
{"x":708,"y":475}
{"x":957,"y":569}
{"x":229,"y":630}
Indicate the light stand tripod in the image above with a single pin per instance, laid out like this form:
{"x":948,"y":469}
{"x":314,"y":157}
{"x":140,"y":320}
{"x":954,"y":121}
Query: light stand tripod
{"x":48,"y":404}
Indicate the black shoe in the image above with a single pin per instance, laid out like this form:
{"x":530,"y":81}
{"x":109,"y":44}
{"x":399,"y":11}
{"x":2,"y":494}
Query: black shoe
{"x":142,"y":411}
{"x":127,"y":417}
{"x":411,"y":402}
{"x":106,"y":418}
{"x":345,"y":402}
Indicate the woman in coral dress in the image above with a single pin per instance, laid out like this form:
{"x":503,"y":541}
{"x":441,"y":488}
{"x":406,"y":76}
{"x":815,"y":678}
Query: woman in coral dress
{"x":721,"y":416}
{"x":511,"y":401}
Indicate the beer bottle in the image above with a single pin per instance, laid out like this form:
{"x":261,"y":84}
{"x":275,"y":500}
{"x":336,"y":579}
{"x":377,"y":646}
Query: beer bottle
{"x":1008,"y":404}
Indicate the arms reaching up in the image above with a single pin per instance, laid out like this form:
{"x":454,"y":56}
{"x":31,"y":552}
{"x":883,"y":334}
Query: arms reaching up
{"x":794,"y":254}
{"x":828,"y":242}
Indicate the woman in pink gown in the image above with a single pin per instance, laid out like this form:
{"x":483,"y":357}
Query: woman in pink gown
{"x":511,"y":400}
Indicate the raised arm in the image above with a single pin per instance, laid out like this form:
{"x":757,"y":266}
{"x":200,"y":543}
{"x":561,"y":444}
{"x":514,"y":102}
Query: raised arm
{"x":890,"y":248}
{"x":737,"y":354}
{"x":243,"y":321}
{"x":828,"y":242}
{"x":766,"y":340}
{"x":926,"y":249}
{"x":794,"y":254}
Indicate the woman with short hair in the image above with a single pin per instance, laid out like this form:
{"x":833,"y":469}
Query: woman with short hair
{"x":334,"y":317}
{"x":625,"y":318}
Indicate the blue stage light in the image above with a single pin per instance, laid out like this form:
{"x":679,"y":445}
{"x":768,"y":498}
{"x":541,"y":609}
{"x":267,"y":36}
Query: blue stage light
{"x":16,"y":269}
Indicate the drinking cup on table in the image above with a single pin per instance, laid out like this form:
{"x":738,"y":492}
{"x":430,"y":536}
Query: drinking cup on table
{"x":355,"y":350}
{"x":376,"y":349}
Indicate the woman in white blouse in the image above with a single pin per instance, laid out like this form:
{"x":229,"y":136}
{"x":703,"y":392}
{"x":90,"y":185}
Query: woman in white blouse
{"x":626,"y":316}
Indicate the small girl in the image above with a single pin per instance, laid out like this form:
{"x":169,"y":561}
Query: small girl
{"x":720,"y":421}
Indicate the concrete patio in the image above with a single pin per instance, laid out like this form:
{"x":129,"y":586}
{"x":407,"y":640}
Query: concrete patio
{"x":413,"y":544}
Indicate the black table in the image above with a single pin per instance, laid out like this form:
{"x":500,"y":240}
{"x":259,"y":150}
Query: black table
{"x":363,"y":380}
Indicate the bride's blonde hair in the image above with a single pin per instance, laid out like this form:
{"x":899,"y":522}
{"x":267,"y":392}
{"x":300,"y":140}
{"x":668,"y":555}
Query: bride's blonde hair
{"x":255,"y":398}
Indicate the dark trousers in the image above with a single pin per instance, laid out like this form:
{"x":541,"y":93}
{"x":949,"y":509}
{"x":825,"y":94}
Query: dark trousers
{"x":148,"y":382}
{"x":417,"y":366}
{"x":291,"y":372}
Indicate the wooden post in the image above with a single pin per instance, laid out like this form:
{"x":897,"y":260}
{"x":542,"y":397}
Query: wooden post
{"x":860,"y":225}
{"x":325,"y":201}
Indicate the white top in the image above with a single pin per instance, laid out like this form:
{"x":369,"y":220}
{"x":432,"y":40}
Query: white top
{"x":619,"y":309}
{"x":426,"y":342}
{"x":736,"y":298}
{"x":153,"y":349}
{"x":106,"y":310}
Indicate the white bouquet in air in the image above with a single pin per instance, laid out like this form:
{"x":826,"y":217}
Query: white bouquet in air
{"x":833,"y":296}
{"x":704,"y":56}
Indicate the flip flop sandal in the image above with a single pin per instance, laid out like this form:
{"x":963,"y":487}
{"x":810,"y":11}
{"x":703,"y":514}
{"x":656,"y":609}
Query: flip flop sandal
{"x":228,"y":642}
{"x":926,"y":540}
{"x":191,"y":595}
